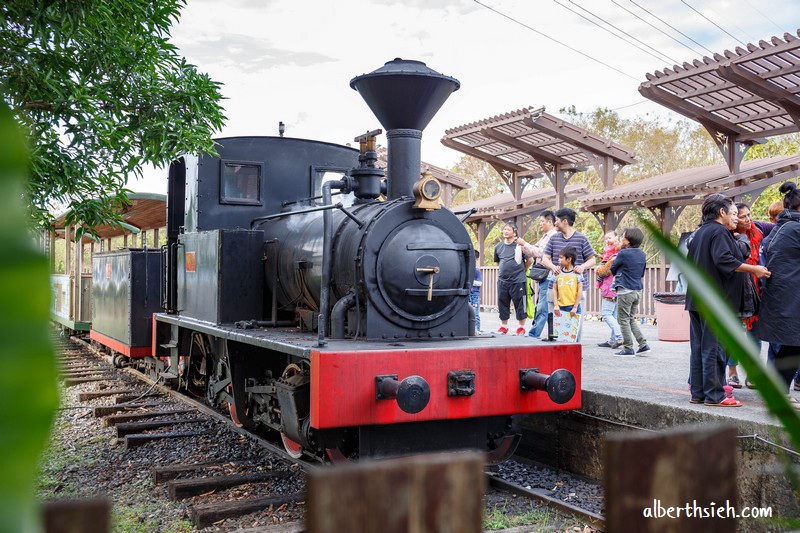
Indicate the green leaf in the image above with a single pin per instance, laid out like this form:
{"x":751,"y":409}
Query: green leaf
{"x":28,"y":393}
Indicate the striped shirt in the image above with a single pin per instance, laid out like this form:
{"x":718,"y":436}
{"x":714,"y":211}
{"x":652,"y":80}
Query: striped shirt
{"x":577,"y":241}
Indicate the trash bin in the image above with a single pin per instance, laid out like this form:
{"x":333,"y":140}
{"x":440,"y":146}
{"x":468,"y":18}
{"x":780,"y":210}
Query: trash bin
{"x":671,"y":317}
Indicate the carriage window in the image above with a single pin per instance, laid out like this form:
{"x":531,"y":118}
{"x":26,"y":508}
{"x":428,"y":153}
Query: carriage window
{"x":323,"y":176}
{"x":240,"y":184}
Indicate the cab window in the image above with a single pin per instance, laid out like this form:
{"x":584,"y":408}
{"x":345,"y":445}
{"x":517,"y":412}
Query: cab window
{"x":240,"y":183}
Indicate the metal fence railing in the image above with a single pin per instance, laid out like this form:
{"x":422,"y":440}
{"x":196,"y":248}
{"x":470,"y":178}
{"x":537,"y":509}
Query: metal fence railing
{"x":647,"y":307}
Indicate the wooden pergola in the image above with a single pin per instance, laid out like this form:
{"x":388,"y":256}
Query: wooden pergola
{"x":739,"y":97}
{"x":529,"y":143}
{"x":489,"y":211}
{"x":667,"y":195}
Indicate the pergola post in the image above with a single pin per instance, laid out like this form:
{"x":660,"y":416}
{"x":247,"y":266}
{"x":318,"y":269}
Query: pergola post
{"x":733,"y":150}
{"x":666,"y":216}
{"x":51,"y":237}
{"x":77,"y":293}
{"x":609,"y":219}
{"x":68,"y":249}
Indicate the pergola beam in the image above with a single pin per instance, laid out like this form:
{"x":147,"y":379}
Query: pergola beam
{"x":578,"y":137}
{"x":689,"y":110}
{"x":505,"y":165}
{"x":536,"y":153}
{"x":766,"y":90}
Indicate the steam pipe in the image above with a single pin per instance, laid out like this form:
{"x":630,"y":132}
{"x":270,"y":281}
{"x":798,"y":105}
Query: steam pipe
{"x":338,"y":313}
{"x":327,"y":259}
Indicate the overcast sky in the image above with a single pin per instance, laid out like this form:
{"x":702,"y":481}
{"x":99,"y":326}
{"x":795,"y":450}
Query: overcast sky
{"x":292,"y":61}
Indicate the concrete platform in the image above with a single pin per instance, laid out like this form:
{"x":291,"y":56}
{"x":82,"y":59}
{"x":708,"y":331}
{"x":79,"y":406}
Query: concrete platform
{"x":651,"y":393}
{"x":659,"y":378}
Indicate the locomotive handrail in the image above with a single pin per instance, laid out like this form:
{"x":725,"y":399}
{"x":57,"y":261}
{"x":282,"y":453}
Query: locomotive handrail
{"x":338,"y":206}
{"x":310,"y":198}
{"x":467,"y":214}
{"x":290,"y":213}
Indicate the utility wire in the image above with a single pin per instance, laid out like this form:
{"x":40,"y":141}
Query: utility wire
{"x":656,"y":28}
{"x":584,"y":54}
{"x":763,"y":15}
{"x":660,"y":57}
{"x":670,"y":25}
{"x":687,"y":4}
{"x":630,"y":105}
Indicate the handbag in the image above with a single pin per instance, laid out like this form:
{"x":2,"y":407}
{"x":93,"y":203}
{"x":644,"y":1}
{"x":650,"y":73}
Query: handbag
{"x":538,"y":273}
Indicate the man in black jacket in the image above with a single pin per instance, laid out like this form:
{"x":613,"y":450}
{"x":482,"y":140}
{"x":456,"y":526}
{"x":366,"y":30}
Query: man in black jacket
{"x":714,"y":250}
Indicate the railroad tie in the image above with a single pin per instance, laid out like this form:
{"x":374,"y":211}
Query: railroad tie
{"x":208,"y":514}
{"x":106,"y":410}
{"x":69,"y":382}
{"x":113,"y":420}
{"x":186,"y":488}
{"x":84,"y":396}
{"x":122,"y":398}
{"x":137,"y":439}
{"x":132,"y":428}
{"x":162,"y":474}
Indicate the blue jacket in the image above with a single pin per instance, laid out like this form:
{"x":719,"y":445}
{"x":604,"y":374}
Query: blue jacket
{"x":628,"y":268}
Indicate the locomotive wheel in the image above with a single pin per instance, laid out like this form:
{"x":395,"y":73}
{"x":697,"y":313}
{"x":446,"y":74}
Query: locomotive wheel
{"x":294,"y":449}
{"x":232,"y":408}
{"x":118,"y":360}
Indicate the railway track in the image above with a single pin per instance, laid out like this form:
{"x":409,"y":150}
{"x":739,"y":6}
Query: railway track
{"x":211,"y":472}
{"x":595,"y":521}
{"x":219,"y":490}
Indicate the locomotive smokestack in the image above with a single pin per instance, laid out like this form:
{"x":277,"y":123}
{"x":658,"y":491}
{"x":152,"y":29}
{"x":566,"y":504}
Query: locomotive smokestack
{"x":404,"y":95}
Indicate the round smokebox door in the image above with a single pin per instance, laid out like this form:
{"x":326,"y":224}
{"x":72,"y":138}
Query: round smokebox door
{"x":419,"y":271}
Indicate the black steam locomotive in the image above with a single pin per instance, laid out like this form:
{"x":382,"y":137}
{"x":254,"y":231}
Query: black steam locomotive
{"x":315,"y":298}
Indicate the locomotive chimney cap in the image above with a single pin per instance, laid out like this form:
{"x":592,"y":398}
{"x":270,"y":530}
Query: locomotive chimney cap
{"x":404,"y":94}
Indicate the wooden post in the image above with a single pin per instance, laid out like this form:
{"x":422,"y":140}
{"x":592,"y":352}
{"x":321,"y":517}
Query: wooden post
{"x":651,"y":477}
{"x":67,"y":249}
{"x":155,"y":238}
{"x":52,"y":236}
{"x":67,"y":516}
{"x":441,"y":492}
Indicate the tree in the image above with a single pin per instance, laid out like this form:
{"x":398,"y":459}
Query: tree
{"x":100,"y":91}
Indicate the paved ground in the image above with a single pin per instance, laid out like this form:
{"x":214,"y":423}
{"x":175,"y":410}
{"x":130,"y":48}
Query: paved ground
{"x":661,"y":377}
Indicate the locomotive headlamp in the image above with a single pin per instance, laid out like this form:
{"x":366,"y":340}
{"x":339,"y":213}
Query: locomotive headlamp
{"x":427,"y":191}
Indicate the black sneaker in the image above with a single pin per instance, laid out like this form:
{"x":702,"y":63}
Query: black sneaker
{"x":643,"y":349}
{"x":607,"y":345}
{"x":625,"y":353}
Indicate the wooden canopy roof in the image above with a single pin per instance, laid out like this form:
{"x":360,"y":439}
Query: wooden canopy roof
{"x":530,"y":142}
{"x":145,"y":211}
{"x":746,"y":94}
{"x":690,"y":186}
{"x":505,"y":207}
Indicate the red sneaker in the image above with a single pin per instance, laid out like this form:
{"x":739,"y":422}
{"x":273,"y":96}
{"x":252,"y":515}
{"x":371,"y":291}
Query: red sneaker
{"x":502,"y":330}
{"x":520,"y":332}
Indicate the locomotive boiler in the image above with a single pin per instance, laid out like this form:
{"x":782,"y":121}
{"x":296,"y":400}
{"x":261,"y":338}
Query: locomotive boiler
{"x":407,"y":263}
{"x":314,"y":295}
